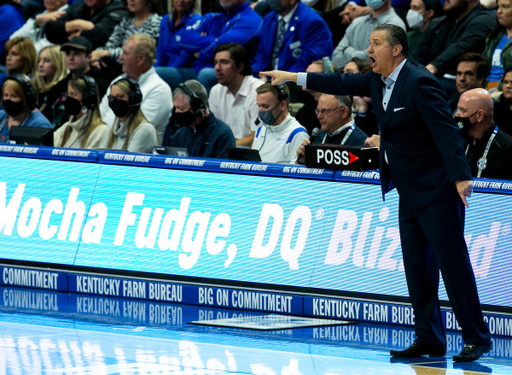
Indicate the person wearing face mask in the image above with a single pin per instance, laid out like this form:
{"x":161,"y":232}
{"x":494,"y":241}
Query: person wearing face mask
{"x":196,"y":127}
{"x":236,"y":23}
{"x":356,"y":40}
{"x":19,"y":100}
{"x":462,"y":29}
{"x":488,"y":148}
{"x":281,"y":135}
{"x":85,"y":128}
{"x":131,"y":130}
{"x":419,"y":17}
{"x":294,"y":37}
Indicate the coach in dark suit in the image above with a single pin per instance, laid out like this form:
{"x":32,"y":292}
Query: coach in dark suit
{"x":421,"y":154}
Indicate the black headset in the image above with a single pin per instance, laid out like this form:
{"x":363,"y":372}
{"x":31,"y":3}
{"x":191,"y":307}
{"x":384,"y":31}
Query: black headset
{"x":195,"y":102}
{"x":282,"y":93}
{"x":28,"y":89}
{"x":89,"y":97}
{"x":135,"y":96}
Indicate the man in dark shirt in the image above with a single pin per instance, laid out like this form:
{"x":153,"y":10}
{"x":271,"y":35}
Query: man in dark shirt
{"x":93,"y":19}
{"x":198,"y":130}
{"x":471,"y":72}
{"x":78,"y":61}
{"x":488,"y":149}
{"x":463,"y":29}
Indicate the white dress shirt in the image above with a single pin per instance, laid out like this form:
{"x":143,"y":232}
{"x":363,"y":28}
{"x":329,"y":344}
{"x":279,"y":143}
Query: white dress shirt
{"x":389,"y":84}
{"x":238,"y":111}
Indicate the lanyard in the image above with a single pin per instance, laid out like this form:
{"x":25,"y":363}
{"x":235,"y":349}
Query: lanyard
{"x":345,"y":138}
{"x":349,"y":132}
{"x":482,"y":162}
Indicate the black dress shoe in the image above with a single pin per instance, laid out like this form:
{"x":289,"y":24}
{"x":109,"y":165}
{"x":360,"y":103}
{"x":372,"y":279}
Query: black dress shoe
{"x":471,"y":353}
{"x":418,"y":350}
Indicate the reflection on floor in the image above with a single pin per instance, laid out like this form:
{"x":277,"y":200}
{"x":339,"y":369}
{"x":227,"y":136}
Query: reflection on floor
{"x":56,"y":333}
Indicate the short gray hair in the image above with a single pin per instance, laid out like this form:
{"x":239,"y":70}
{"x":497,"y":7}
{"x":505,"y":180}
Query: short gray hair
{"x":196,"y":88}
{"x":344,"y":101}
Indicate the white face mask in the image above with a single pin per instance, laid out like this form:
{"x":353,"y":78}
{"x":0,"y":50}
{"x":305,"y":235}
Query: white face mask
{"x":414,"y":19}
{"x":375,"y":4}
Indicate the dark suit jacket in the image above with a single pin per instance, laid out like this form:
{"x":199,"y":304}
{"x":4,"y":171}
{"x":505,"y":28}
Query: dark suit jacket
{"x":418,"y":134}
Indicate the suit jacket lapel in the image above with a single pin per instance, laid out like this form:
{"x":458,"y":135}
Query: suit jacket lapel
{"x":292,"y":26}
{"x":377,"y":103}
{"x":397,"y":91}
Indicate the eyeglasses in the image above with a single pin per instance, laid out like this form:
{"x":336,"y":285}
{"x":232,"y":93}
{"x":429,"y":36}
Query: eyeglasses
{"x":325,"y":111}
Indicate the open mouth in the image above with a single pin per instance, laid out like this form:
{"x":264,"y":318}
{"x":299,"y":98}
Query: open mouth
{"x":372,"y":61}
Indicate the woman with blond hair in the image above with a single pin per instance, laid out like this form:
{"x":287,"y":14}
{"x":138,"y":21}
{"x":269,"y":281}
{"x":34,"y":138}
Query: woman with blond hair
{"x":131,"y":130}
{"x":20,"y":57}
{"x":51,"y":69}
{"x":85,"y":128}
{"x":19,"y":100}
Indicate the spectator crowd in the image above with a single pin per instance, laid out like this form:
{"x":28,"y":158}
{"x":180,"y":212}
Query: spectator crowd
{"x":127,"y":75}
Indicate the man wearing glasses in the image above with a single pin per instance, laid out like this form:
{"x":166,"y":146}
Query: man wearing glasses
{"x":335,"y":116}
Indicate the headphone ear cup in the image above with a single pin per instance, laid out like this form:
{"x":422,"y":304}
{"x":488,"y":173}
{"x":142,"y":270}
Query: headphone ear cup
{"x":282,"y":93}
{"x":195,"y":102}
{"x":89,"y":98}
{"x":28,"y":89}
{"x":135,"y":97}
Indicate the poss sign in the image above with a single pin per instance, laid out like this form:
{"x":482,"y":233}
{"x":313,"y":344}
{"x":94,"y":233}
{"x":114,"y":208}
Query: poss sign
{"x":336,"y":157}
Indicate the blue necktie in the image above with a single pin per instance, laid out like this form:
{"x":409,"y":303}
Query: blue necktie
{"x":281,"y":29}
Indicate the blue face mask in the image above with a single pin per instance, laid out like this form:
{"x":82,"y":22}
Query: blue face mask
{"x":268,"y":117}
{"x":375,"y":4}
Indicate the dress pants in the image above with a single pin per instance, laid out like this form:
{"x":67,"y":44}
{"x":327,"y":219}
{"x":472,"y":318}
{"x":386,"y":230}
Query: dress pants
{"x":432,"y":240}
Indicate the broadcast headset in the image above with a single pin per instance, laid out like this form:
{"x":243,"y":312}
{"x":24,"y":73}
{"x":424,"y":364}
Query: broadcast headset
{"x":89,"y":97}
{"x":196,"y":103}
{"x":28,"y":89}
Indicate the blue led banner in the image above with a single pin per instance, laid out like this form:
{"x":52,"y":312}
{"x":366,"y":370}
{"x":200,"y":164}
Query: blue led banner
{"x":33,"y":278}
{"x":334,"y":235}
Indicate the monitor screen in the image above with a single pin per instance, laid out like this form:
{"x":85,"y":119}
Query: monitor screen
{"x":31,"y":136}
{"x":244,"y":154}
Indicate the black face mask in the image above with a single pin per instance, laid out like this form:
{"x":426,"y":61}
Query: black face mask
{"x":464,"y":123}
{"x":181,"y":119}
{"x":73,"y":106}
{"x":13,"y":108}
{"x":119,"y":107}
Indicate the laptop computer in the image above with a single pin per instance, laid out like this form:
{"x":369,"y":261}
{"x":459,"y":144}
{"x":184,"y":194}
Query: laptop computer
{"x":31,"y":136}
{"x":243,"y":154}
{"x":173,"y":151}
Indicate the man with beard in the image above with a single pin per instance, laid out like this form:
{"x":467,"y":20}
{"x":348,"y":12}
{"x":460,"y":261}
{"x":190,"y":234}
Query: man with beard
{"x":233,"y":99}
{"x":463,"y":29}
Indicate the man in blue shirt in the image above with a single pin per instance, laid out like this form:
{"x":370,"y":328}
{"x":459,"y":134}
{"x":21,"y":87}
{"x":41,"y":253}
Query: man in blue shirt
{"x":294,"y":37}
{"x":236,"y":23}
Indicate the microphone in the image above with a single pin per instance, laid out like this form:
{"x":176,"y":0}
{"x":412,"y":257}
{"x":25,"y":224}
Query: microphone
{"x":314,"y":134}
{"x":257,"y":122}
{"x":312,"y":139}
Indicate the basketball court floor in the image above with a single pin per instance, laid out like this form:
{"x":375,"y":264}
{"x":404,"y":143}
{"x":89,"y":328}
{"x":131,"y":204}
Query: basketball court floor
{"x":59,"y":333}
